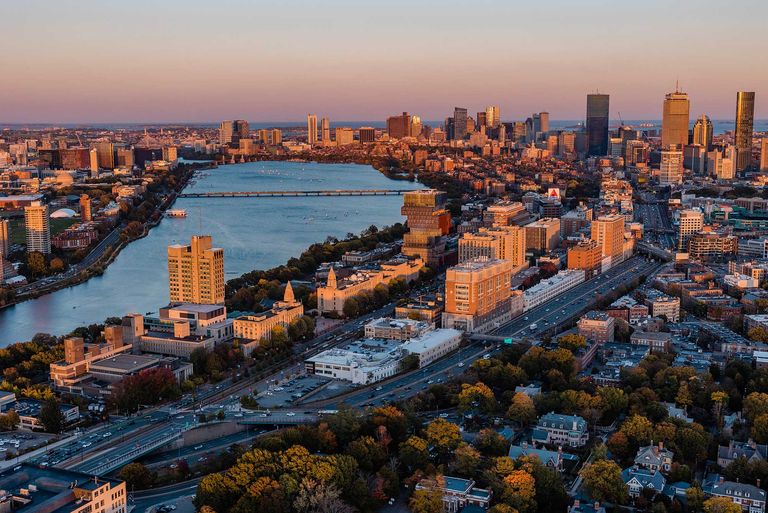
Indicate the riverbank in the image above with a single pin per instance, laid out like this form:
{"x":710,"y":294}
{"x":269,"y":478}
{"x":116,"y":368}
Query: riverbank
{"x":114,"y":242}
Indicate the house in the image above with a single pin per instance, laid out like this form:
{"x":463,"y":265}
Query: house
{"x":531,"y":390}
{"x":639,"y":479}
{"x":735,"y":450}
{"x":457,"y":493}
{"x":563,"y":430}
{"x":750,"y":498}
{"x":579,"y":507}
{"x":552,"y":459}
{"x":654,"y":457}
{"x":659,"y":342}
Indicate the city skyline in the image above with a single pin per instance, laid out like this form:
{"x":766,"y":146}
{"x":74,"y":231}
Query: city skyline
{"x":181,"y":65}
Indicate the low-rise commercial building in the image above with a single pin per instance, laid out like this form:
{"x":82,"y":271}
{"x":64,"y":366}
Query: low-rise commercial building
{"x":551,"y":287}
{"x":597,"y":326}
{"x":665,"y":306}
{"x":433,"y":345}
{"x":395,"y":329}
{"x":657,"y":341}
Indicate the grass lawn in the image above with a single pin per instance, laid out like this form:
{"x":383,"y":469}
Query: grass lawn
{"x":18,"y":235}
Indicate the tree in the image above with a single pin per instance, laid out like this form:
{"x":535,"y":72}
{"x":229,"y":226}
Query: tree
{"x":695,"y":497}
{"x":522,"y":410}
{"x":491,"y":442}
{"x":426,"y":501}
{"x":758,"y":334}
{"x":719,"y":402}
{"x":51,"y":417}
{"x":443,"y":436}
{"x":721,"y":505}
{"x":755,"y":404}
{"x":137,"y":476}
{"x":351,"y":308}
{"x":760,"y":429}
{"x":520,"y":491}
{"x":9,"y":421}
{"x":476,"y":396}
{"x":414,"y":453}
{"x":466,"y":460}
{"x":603,"y":481}
{"x":572,"y":342}
{"x":36,"y":263}
{"x":637,"y":429}
{"x":57,"y":265}
{"x":683,"y":397}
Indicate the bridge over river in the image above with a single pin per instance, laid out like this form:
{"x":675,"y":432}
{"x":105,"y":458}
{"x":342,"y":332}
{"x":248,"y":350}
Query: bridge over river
{"x":295,"y":194}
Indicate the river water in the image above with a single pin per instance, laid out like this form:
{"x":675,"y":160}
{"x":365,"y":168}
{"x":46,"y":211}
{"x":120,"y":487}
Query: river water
{"x":256,"y":233}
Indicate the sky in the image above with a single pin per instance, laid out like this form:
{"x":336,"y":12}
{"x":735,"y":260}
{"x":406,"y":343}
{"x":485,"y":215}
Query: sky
{"x":142,"y":61}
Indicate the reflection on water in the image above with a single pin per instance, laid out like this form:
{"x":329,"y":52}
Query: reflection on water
{"x":256,"y":233}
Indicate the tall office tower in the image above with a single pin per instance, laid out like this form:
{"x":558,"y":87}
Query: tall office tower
{"x":477,"y":295}
{"x":263,"y":136}
{"x":276,"y":137}
{"x":344,"y":136}
{"x":674,"y":123}
{"x":542,"y":235}
{"x":93,"y":157}
{"x":519,"y":131}
{"x":544,"y":122}
{"x":671,"y":167}
{"x":702,"y":132}
{"x":367,"y":134}
{"x":691,"y":223}
{"x":106,"y":154}
{"x":399,"y":127}
{"x":226,"y":129}
{"x":86,"y":213}
{"x":635,"y":152}
{"x":695,"y":158}
{"x":566,"y":143}
{"x":415,"y":128}
{"x":745,"y":116}
{"x":449,"y":128}
{"x":325,"y":131}
{"x":764,"y":154}
{"x":492,"y":116}
{"x":170,"y":153}
{"x":597,"y":124}
{"x":470,"y":125}
{"x":608,"y":232}
{"x":459,"y":123}
{"x":38,"y":228}
{"x":311,"y":129}
{"x":5,"y":238}
{"x":428,"y":222}
{"x":196,"y":272}
{"x":125,"y":157}
{"x":502,"y":134}
{"x":240,"y":130}
{"x":500,"y":242}
{"x":482,"y":119}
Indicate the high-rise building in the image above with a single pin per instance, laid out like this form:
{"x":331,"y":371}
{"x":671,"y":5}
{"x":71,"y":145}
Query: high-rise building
{"x":428,"y":222}
{"x":691,"y":222}
{"x":477,"y":295}
{"x":674,"y":122}
{"x":745,"y":116}
{"x":543,"y":235}
{"x":597,"y":124}
{"x":492,"y":116}
{"x":38,"y":228}
{"x":277,"y":137}
{"x":671,"y":167}
{"x":171,"y":153}
{"x":500,"y":243}
{"x":240,"y":130}
{"x":482,"y":118}
{"x":367,"y":134}
{"x":764,"y":154}
{"x":608,"y":232}
{"x":106,"y":154}
{"x":312,"y":129}
{"x":196,"y":272}
{"x":587,"y":255}
{"x":543,"y":122}
{"x":263,"y":136}
{"x":344,"y":136}
{"x":125,"y":157}
{"x":325,"y":131}
{"x":93,"y":157}
{"x":5,"y":238}
{"x":85,"y":208}
{"x":722,"y":165}
{"x":702,"y":132}
{"x":226,"y":129}
{"x":460,"y":128}
{"x":399,"y":126}
{"x":415,"y":128}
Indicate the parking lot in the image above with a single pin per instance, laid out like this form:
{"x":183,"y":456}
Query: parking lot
{"x":285,"y":393}
{"x":15,"y":442}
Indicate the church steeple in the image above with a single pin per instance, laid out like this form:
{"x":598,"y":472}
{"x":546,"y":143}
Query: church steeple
{"x":331,"y":279}
{"x":288,"y":296}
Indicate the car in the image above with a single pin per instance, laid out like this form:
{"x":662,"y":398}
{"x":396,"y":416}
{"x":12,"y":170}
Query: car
{"x":461,"y":364}
{"x":198,"y":447}
{"x":290,"y":414}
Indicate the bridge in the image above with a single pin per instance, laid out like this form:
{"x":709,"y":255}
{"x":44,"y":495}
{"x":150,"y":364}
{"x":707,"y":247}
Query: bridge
{"x":125,"y":453}
{"x":279,"y":419}
{"x":654,"y":251}
{"x":295,"y":194}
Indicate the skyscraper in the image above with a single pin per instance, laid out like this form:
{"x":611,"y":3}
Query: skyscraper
{"x":94,"y":163}
{"x":196,"y":272}
{"x":691,"y":222}
{"x":764,"y":154}
{"x":226,"y":129}
{"x":671,"y":167}
{"x":745,"y":114}
{"x":544,"y":122}
{"x":459,"y":123}
{"x":482,"y":118}
{"x":399,"y":126}
{"x":702,"y":132}
{"x":428,"y":221}
{"x":608,"y":232}
{"x":492,"y":116}
{"x":38,"y":228}
{"x":312,"y":129}
{"x":597,"y":124}
{"x":85,"y":208}
{"x":674,"y":123}
{"x":105,"y":151}
{"x":325,"y":131}
{"x":5,"y":238}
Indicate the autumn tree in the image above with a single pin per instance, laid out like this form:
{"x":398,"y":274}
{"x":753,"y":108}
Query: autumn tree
{"x":414,"y":453}
{"x":522,"y":410}
{"x":520,"y":491}
{"x":572,"y":342}
{"x":721,"y":505}
{"x":466,"y":460}
{"x":444,"y":436}
{"x":603,"y":481}
{"x":476,"y":396}
{"x":426,"y":501}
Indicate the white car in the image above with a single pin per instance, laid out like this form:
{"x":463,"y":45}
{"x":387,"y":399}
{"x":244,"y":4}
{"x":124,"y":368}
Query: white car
{"x":290,"y":414}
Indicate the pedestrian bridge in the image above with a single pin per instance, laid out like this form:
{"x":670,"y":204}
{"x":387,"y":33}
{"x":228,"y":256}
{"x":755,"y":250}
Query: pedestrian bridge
{"x":295,"y":194}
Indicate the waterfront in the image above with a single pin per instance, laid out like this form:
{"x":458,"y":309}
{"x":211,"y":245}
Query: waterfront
{"x":256,"y":233}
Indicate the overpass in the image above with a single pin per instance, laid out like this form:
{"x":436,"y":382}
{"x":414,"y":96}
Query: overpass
{"x":295,"y":194}
{"x":279,"y":419}
{"x":654,"y":251}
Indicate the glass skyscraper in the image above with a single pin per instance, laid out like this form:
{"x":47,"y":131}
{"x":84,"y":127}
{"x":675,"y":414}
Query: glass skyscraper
{"x":597,"y":124}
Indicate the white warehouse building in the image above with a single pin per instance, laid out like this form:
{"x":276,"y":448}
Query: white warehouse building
{"x":551,"y":287}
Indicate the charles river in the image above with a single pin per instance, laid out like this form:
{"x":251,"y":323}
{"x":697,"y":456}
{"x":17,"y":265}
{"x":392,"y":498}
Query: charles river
{"x":256,"y":233}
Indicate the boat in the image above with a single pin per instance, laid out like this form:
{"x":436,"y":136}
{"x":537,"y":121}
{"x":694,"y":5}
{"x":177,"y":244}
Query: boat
{"x":176,"y":212}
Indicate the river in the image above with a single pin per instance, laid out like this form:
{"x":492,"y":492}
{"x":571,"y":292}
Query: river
{"x":256,"y":233}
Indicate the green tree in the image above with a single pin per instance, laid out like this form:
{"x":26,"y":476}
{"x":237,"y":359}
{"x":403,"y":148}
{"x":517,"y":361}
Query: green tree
{"x":136,"y":476}
{"x":351,"y":308}
{"x":414,"y":452}
{"x":51,"y":417}
{"x":603,"y":481}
